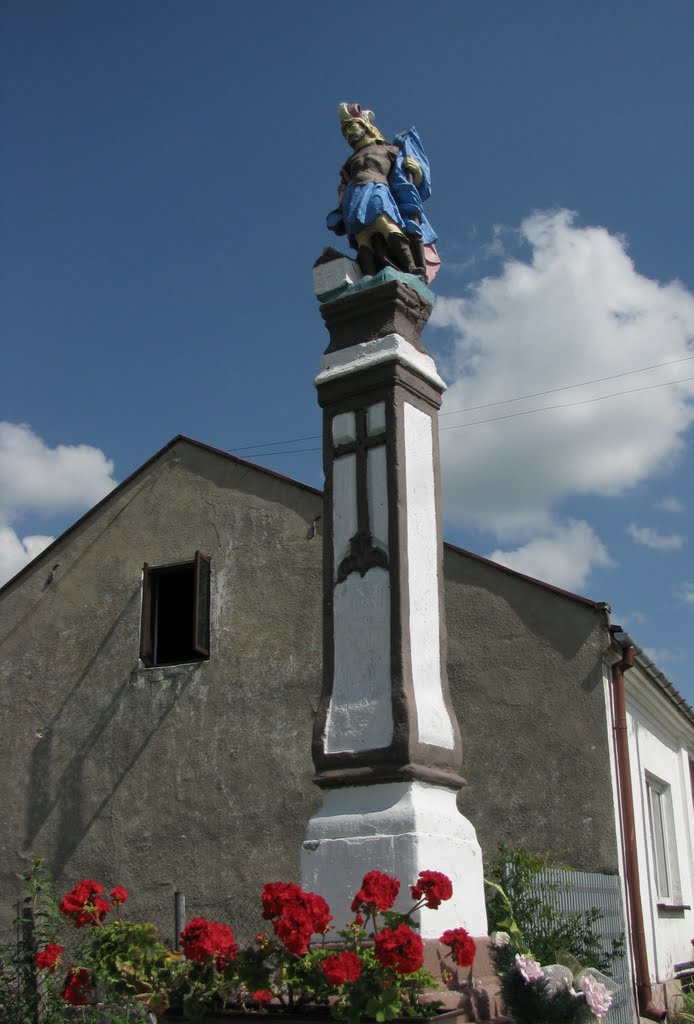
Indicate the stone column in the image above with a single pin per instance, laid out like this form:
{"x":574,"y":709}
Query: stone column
{"x":386,"y":743}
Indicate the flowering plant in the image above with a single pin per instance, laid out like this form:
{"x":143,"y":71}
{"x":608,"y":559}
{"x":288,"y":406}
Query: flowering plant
{"x":560,"y":993}
{"x":372,"y":968}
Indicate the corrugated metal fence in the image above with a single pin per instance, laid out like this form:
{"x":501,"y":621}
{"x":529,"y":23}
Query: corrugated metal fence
{"x":581,"y":891}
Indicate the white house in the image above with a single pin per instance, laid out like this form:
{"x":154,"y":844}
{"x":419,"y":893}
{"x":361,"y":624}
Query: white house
{"x":653,"y":762}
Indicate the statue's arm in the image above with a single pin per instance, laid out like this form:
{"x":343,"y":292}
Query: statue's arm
{"x":335,"y":220}
{"x":412,"y":168}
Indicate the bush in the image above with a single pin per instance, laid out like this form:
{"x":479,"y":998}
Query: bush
{"x":23,"y":999}
{"x":684,"y":1014}
{"x":545,"y":929}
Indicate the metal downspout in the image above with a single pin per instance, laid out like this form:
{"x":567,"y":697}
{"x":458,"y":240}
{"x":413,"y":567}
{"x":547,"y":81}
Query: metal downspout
{"x":646,"y":1006}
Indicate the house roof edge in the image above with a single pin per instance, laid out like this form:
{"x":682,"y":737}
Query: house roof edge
{"x":597,"y":605}
{"x":133,"y":476}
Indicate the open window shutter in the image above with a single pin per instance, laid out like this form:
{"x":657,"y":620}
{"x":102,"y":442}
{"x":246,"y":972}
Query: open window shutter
{"x":146,"y":632}
{"x":201,"y":606}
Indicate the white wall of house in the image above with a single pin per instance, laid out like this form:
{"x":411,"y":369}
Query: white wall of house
{"x":661,"y":744}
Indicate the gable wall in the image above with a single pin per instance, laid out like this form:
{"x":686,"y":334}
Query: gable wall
{"x":525,"y":671}
{"x":198,"y":777}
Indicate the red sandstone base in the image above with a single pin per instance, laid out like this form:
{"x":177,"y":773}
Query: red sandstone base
{"x":473,"y":993}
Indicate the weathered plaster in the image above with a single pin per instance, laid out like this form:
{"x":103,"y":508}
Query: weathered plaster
{"x":367,"y":354}
{"x":658,"y":750}
{"x":195,"y":777}
{"x":377,"y":490}
{"x":198,"y":777}
{"x":433,"y":721}
{"x":344,"y":505}
{"x":360,"y":715}
{"x":525,"y":672}
{"x":401,"y":828}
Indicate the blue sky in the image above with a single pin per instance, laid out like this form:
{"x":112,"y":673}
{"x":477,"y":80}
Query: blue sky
{"x":167,"y":171}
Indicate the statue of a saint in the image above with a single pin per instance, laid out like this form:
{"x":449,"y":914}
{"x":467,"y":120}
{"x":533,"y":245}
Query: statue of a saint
{"x":382,"y":188}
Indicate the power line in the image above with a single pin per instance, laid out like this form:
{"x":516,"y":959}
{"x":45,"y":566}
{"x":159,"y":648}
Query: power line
{"x":567,"y":405}
{"x":292,"y":451}
{"x":285,"y":440}
{"x":490,"y":405}
{"x":513,"y":415}
{"x":567,"y":387}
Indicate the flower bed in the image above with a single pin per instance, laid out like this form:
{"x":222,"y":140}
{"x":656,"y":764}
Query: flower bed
{"x":371,"y":969}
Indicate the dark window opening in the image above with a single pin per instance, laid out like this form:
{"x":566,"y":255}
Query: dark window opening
{"x":176,"y":612}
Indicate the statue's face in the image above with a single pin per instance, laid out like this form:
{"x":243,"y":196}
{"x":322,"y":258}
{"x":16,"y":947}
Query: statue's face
{"x":359,"y":132}
{"x":354,"y":131}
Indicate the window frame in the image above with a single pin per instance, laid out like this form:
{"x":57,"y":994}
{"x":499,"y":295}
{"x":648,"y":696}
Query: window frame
{"x":662,"y":841}
{"x":200,"y":624}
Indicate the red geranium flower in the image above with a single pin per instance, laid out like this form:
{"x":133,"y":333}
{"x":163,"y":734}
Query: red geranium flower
{"x":275,"y":895}
{"x":433,"y":886}
{"x":85,"y":904}
{"x":341,"y":967}
{"x":262,"y":996}
{"x":77,"y":986}
{"x":377,"y":891}
{"x":47,"y":958}
{"x":462,"y":946}
{"x":297,"y":914}
{"x":119,"y":894}
{"x":208,"y":942}
{"x":400,"y":948}
{"x":294,"y":928}
{"x":319,"y":911}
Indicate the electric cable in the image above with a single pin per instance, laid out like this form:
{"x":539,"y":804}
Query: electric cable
{"x":566,"y":387}
{"x":568,"y":405}
{"x":489,"y":405}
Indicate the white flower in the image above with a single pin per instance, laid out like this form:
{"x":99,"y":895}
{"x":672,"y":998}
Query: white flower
{"x":559,"y":978}
{"x":500,"y":939}
{"x":598,"y":996}
{"x":528,"y":968}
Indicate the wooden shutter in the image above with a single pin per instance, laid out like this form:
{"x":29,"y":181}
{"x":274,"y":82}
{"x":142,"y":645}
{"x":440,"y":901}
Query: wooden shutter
{"x":146,"y":631}
{"x":201,"y":606}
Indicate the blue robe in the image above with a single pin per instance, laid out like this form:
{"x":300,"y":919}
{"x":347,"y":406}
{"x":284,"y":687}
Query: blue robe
{"x":400,"y":199}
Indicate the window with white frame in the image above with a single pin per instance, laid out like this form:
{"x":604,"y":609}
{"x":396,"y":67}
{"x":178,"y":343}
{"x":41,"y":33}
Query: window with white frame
{"x":663,"y":846}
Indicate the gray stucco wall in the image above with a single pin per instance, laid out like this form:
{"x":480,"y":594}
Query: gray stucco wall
{"x":524,"y":666}
{"x":198,"y":777}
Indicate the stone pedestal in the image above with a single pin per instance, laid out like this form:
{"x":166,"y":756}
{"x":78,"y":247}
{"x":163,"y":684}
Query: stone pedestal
{"x":400,"y":828}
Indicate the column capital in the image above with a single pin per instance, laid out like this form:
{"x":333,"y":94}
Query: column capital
{"x":374,"y":356}
{"x":391,"y":303}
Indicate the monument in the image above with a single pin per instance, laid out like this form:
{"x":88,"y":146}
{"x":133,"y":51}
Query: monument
{"x":386,"y":745}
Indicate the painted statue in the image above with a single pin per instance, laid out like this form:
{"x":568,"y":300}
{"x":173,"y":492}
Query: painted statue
{"x":382,"y":188}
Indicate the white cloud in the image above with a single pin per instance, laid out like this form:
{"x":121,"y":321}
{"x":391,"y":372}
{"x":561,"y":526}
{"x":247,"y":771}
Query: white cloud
{"x":652,"y":539}
{"x":685,"y":593}
{"x":16,"y":552}
{"x":670,"y":505}
{"x":628,"y":619}
{"x":44,"y":481}
{"x":637,"y":616}
{"x":659,"y":655}
{"x":34,"y":476}
{"x":575,"y":310}
{"x":564,"y":557}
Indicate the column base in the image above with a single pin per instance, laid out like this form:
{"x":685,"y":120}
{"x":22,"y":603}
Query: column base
{"x":400,"y":828}
{"x":473,"y":994}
